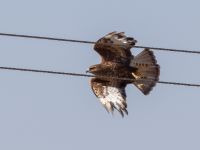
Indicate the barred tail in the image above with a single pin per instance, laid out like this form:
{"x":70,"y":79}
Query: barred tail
{"x":148,"y":71}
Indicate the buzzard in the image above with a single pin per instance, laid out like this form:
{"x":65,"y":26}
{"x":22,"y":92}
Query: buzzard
{"x":117,"y":61}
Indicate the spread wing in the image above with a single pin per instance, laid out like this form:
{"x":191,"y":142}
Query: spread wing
{"x":111,"y":94}
{"x":115,"y":47}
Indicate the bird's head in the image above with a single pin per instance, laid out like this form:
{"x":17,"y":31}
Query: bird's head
{"x":94,"y":69}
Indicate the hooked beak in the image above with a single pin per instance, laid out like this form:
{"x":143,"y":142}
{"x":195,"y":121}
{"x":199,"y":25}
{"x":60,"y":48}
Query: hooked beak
{"x":87,"y":71}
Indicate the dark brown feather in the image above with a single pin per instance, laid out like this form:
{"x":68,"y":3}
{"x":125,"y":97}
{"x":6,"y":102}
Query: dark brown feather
{"x":115,"y":47}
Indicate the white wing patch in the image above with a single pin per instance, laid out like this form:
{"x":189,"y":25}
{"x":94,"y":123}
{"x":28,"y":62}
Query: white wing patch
{"x":120,"y":39}
{"x":111,"y":97}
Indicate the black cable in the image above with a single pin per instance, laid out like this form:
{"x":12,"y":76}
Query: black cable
{"x":45,"y":38}
{"x":87,"y":75}
{"x":91,"y":42}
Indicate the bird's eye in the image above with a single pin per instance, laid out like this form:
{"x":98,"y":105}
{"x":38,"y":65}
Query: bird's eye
{"x":91,"y":68}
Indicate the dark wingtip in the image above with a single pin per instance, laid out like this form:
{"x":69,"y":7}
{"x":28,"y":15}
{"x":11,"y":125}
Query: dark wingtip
{"x":117,"y":38}
{"x":126,"y":111}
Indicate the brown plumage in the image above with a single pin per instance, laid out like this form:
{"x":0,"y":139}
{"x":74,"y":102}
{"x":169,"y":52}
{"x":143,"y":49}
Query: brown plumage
{"x":117,"y":61}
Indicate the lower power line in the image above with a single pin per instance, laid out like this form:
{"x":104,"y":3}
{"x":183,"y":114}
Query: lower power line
{"x":87,"y":75}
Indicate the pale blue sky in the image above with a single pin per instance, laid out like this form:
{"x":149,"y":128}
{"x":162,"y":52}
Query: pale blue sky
{"x":48,"y":112}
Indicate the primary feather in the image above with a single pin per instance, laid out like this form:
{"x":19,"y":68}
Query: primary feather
{"x":111,"y":95}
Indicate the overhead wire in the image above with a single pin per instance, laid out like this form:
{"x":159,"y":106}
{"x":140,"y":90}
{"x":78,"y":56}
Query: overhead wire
{"x":92,"y":42}
{"x":89,"y":75}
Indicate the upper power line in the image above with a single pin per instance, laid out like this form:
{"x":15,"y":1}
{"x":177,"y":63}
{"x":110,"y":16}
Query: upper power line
{"x":88,"y":75}
{"x":91,"y":42}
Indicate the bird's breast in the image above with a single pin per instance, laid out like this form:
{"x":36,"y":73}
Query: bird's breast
{"x":114,"y":70}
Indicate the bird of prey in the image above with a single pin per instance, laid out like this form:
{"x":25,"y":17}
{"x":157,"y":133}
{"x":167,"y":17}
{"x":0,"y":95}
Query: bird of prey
{"x":117,"y":61}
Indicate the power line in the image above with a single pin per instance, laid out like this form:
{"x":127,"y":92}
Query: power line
{"x":91,"y":42}
{"x":87,"y":75}
{"x":169,"y":49}
{"x":46,"y":38}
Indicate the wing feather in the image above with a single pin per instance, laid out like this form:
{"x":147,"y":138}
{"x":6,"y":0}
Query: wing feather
{"x":111,"y":94}
{"x":115,"y":47}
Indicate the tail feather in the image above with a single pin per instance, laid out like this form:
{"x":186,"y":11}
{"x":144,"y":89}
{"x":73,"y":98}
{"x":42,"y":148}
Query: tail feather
{"x":147,"y":72}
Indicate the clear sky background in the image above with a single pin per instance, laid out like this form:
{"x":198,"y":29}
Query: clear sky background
{"x":48,"y":112}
